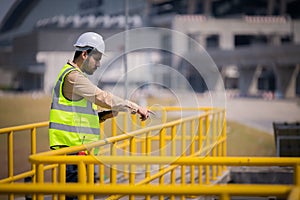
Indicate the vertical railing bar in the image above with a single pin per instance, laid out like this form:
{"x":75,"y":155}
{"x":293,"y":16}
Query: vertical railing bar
{"x":10,"y":158}
{"x":132,"y":152}
{"x":62,"y":178}
{"x":54,"y":180}
{"x":10,"y":154}
{"x":101,"y":166}
{"x":113,"y":171}
{"x":40,"y":178}
{"x":214,"y":142}
{"x":33,"y":151}
{"x":224,"y":137}
{"x":162,"y":150}
{"x":91,"y":178}
{"x":200,"y":143}
{"x":192,"y":168}
{"x":125,"y":147}
{"x":220,"y":137}
{"x":207,"y":135}
{"x":132,"y":166}
{"x":173,"y":152}
{"x":148,"y":153}
{"x":143,"y":142}
{"x":183,"y":151}
{"x":133,"y":122}
{"x":81,"y":177}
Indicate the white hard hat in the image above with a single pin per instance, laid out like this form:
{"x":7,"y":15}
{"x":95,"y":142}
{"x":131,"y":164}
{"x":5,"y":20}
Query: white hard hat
{"x":90,"y":39}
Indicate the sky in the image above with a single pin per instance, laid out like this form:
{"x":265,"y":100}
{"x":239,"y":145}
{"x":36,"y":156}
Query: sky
{"x":4,"y":7}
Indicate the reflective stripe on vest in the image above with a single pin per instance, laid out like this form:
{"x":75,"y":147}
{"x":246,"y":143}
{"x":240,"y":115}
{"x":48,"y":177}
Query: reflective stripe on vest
{"x":71,"y":121}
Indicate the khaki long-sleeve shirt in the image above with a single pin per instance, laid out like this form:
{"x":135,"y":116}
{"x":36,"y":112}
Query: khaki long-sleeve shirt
{"x":77,"y":86}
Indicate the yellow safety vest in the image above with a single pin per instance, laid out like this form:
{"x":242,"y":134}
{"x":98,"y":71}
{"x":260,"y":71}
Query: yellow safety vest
{"x":72,"y":123}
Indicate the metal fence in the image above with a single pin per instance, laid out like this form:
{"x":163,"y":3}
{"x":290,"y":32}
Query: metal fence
{"x":181,"y":153}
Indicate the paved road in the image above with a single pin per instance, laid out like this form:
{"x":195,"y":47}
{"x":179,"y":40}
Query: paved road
{"x":260,"y":114}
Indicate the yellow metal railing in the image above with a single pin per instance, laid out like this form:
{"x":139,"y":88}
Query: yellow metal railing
{"x":87,"y":190}
{"x":179,"y":153}
{"x":10,"y":132}
{"x":123,"y":134}
{"x":166,"y":135}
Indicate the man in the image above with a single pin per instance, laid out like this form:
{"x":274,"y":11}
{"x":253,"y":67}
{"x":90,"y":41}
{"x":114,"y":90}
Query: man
{"x":74,"y":118}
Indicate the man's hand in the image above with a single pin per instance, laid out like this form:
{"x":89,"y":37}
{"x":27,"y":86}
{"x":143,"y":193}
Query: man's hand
{"x":143,"y":112}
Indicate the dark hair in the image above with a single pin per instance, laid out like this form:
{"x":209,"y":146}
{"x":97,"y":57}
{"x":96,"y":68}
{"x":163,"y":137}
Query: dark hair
{"x":79,"y":52}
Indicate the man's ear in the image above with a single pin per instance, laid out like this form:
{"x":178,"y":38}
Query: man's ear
{"x":84,"y":55}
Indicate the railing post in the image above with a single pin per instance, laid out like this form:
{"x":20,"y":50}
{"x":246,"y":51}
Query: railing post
{"x":62,"y":178}
{"x":101,"y":148}
{"x":207,"y":139}
{"x":33,"y":146}
{"x":125,"y":143}
{"x":81,"y":177}
{"x":91,"y":178}
{"x":10,"y":158}
{"x":132,"y":166}
{"x":200,"y":147}
{"x":214,"y":142}
{"x":113,"y":171}
{"x":192,"y":168}
{"x":40,"y":178}
{"x":173,"y":152}
{"x":148,"y":152}
{"x":133,"y":122}
{"x":224,"y":136}
{"x":183,"y":151}
{"x":220,"y":143}
{"x":10,"y":154}
{"x":54,"y":180}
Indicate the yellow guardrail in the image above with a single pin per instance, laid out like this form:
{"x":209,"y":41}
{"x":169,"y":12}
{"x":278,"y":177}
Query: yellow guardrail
{"x":9,"y":132}
{"x":202,"y":134}
{"x":181,"y":155}
{"x":86,"y":189}
{"x":202,"y":130}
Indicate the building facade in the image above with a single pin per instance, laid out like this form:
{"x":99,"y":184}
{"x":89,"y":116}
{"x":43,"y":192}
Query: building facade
{"x":254,"y":44}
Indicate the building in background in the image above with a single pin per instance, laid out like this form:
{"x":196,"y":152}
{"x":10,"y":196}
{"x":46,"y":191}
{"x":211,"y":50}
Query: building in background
{"x":255,"y":44}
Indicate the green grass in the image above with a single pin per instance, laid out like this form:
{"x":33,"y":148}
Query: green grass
{"x":23,"y":109}
{"x":246,"y":141}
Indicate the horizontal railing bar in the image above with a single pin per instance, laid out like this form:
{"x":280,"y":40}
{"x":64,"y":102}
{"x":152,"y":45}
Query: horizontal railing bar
{"x":120,"y":137}
{"x":232,"y":161}
{"x":46,"y":123}
{"x":24,"y":127}
{"x":98,"y":189}
{"x":36,"y":158}
{"x":171,"y":108}
{"x":17,"y":177}
{"x":25,"y":174}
